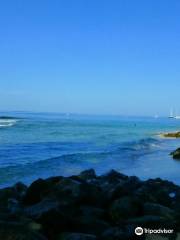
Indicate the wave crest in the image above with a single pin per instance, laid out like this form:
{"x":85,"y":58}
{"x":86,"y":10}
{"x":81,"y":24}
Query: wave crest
{"x":7,"y":122}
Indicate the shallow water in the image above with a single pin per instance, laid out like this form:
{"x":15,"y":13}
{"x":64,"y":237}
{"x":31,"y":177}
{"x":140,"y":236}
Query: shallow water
{"x":42,"y":145}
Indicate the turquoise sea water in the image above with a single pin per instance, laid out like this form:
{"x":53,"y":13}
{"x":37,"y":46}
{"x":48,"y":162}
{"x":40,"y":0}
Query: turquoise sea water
{"x":41,"y":145}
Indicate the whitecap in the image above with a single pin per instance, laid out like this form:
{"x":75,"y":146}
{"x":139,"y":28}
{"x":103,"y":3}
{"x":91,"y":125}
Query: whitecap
{"x":6,"y":125}
{"x":7,"y":122}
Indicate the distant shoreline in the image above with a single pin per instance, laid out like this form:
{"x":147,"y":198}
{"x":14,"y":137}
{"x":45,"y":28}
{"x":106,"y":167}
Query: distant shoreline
{"x":170,"y":135}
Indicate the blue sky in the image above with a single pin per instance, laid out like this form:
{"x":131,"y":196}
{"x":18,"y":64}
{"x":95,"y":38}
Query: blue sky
{"x":94,"y":56}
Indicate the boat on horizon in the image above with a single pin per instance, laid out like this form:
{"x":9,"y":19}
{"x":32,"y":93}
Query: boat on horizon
{"x":173,"y":116}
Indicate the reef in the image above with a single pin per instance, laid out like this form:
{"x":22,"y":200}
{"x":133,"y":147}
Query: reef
{"x":171,"y":135}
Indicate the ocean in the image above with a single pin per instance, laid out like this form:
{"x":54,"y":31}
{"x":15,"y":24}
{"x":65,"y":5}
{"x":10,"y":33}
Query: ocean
{"x":39,"y":145}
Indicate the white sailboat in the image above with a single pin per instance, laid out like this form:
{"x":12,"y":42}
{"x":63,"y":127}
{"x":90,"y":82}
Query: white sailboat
{"x":174,"y":116}
{"x":171,"y":114}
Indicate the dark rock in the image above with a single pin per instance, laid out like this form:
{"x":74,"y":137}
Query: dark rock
{"x":113,"y":233}
{"x":121,"y":233}
{"x":176,"y":154}
{"x":144,"y":195}
{"x":76,"y":236}
{"x":54,"y":221}
{"x":114,"y":176}
{"x":126,"y":188}
{"x":89,"y":225}
{"x":54,"y":180}
{"x":77,"y":192}
{"x":158,"y":210}
{"x":92,"y":195}
{"x":37,"y":210}
{"x":17,"y":231}
{"x":124,"y":208}
{"x":151,"y":221}
{"x":14,"y":206}
{"x":67,"y":188}
{"x":90,"y":211}
{"x":88,"y":175}
{"x":11,"y":194}
{"x":20,"y":188}
{"x":161,"y":191}
{"x":87,"y":206}
{"x":36,"y":192}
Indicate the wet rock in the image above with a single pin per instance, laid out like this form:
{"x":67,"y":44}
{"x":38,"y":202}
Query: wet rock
{"x":176,"y":154}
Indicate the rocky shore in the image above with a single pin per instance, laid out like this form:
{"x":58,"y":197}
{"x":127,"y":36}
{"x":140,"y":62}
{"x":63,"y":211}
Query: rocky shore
{"x":176,"y":154}
{"x":171,"y":135}
{"x":89,"y":207}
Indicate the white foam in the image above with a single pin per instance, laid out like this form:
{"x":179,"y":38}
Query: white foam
{"x":8,"y":121}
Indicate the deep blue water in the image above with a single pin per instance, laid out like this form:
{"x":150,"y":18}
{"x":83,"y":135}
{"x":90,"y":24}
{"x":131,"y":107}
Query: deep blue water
{"x":42,"y":145}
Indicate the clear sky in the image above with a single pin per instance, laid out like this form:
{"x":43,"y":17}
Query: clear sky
{"x":90,"y":56}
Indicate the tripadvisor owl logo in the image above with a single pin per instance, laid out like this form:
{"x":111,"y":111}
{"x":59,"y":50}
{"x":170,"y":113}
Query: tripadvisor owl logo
{"x":139,"y":231}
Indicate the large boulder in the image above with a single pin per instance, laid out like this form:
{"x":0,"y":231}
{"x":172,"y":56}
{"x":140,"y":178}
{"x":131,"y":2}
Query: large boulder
{"x":124,"y":208}
{"x":37,"y":210}
{"x":88,"y":175}
{"x":11,"y":198}
{"x":113,"y":177}
{"x":90,"y":211}
{"x":161,"y":192}
{"x":126,"y":188}
{"x":158,"y":210}
{"x":77,"y":192}
{"x":176,"y":154}
{"x":39,"y":189}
